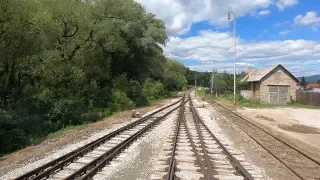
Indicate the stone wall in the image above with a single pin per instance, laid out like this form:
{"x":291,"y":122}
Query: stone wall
{"x":274,"y":79}
{"x":246,"y":94}
{"x":256,"y":90}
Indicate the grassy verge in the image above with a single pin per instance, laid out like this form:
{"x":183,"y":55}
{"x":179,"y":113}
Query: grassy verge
{"x":66,"y":129}
{"x":201,"y":93}
{"x":252,"y":103}
{"x":58,"y":133}
{"x":257,"y":104}
{"x":297,"y":105}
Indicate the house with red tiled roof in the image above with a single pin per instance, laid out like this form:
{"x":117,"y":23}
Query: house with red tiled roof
{"x":313,"y":87}
{"x":272,"y":85}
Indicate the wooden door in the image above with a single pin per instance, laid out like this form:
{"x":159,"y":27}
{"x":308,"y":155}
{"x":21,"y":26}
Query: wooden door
{"x":283,"y":94}
{"x":273,"y":94}
{"x":278,"y":94}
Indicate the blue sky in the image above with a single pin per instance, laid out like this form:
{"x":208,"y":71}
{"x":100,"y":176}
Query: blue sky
{"x":269,"y":32}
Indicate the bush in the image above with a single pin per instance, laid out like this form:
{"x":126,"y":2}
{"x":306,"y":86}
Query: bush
{"x":120,"y":101}
{"x":153,"y":89}
{"x":240,"y":98}
{"x":91,"y":117}
{"x":11,"y":136}
{"x":141,"y":101}
{"x":68,"y":111}
{"x":135,"y":93}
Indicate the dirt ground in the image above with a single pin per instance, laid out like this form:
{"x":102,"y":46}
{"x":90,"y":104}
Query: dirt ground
{"x":36,"y":152}
{"x":301,"y":126}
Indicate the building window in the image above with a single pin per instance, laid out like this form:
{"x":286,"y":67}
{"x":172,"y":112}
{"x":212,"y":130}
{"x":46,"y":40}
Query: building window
{"x":278,"y":75}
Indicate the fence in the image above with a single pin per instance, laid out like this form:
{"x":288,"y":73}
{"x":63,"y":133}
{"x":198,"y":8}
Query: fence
{"x":308,"y":97}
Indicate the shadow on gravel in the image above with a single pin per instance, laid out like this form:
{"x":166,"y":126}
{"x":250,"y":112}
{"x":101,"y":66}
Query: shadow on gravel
{"x":300,"y":129}
{"x":265,"y":118}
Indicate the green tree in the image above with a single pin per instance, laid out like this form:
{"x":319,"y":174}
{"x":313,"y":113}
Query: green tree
{"x":303,"y":82}
{"x":67,"y":62}
{"x":174,"y":75}
{"x":153,"y":89}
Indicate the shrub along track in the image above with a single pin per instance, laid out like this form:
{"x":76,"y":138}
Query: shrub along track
{"x":197,"y":153}
{"x":299,"y":163}
{"x":100,"y":152}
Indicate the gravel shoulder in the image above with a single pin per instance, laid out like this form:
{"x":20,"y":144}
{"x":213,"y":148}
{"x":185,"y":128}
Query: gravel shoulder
{"x":69,"y":140}
{"x":253,"y":152}
{"x":300,"y":127}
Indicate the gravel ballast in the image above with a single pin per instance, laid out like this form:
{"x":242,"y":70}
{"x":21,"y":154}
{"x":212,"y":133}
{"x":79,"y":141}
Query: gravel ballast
{"x":60,"y":151}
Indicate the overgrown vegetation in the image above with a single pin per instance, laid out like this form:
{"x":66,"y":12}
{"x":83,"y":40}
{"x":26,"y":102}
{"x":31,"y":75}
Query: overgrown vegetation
{"x":68,"y":62}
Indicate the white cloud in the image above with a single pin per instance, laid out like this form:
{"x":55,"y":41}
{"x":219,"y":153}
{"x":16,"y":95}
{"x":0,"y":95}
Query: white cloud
{"x":293,"y":66}
{"x":179,"y":15}
{"x":281,"y":4}
{"x":310,"y":19}
{"x":264,"y":12}
{"x":220,"y":67}
{"x":300,"y":67}
{"x":277,"y":24}
{"x":217,"y":47}
{"x":284,"y":32}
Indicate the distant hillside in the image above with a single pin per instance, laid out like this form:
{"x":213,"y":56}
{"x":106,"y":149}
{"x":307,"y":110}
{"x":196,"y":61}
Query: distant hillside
{"x":313,"y":78}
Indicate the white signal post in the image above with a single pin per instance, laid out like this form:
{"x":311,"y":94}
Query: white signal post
{"x":235,"y":52}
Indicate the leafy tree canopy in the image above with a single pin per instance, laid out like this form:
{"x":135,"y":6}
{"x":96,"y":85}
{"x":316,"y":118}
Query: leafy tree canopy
{"x":67,"y":62}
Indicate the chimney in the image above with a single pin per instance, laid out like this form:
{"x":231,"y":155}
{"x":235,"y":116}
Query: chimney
{"x":249,"y":71}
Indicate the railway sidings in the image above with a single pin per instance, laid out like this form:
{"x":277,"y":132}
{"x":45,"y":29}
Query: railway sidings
{"x":297,"y":162}
{"x":194,"y":149}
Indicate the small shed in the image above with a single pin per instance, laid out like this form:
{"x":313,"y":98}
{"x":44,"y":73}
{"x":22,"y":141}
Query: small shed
{"x":272,"y":85}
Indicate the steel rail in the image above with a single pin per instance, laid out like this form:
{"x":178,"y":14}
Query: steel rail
{"x":196,"y":120}
{"x":199,"y":160}
{"x":52,"y":166}
{"x":258,"y":142}
{"x":90,"y":169}
{"x":234,"y":161}
{"x":172,"y":162}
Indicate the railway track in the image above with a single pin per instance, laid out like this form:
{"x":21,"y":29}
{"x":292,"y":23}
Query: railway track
{"x":86,"y":161}
{"x":299,"y":163}
{"x":197,"y":154}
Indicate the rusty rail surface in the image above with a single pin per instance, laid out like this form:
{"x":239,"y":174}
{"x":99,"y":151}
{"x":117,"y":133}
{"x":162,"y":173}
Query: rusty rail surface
{"x":197,"y":154}
{"x":196,"y":120}
{"x":234,"y":161}
{"x":285,"y":146}
{"x":52,"y":166}
{"x":208,"y":174}
{"x":172,"y":162}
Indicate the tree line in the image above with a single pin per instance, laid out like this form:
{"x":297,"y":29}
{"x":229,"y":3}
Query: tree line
{"x":222,"y":81}
{"x":304,"y":83}
{"x":69,"y":62}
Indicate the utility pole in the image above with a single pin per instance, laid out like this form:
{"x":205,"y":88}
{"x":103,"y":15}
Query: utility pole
{"x":235,"y":52}
{"x":212,"y":81}
{"x":216,"y":86}
{"x":195,"y":84}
